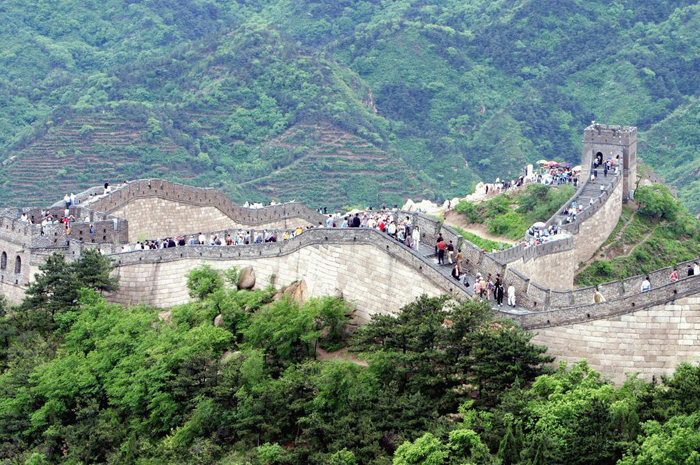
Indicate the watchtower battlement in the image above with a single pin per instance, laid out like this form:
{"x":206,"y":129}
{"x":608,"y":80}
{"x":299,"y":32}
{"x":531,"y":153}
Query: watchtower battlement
{"x":610,"y":134}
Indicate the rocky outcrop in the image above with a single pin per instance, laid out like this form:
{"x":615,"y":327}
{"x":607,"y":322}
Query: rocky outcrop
{"x":297,"y":292}
{"x":166,"y":315}
{"x":247,"y":278}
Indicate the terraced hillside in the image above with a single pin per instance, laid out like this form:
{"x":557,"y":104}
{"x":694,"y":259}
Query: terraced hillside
{"x":336,"y":166}
{"x":86,"y":150}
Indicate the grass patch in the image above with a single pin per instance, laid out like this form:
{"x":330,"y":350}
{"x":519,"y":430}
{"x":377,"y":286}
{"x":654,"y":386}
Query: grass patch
{"x":509,"y":215}
{"x":481,"y":242}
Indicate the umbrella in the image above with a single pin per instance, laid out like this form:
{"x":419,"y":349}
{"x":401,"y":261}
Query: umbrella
{"x":576,"y":168}
{"x":543,"y":162}
{"x":539,"y":225}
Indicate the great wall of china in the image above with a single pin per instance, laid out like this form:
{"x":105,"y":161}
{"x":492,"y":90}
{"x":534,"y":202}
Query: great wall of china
{"x":630,"y":332}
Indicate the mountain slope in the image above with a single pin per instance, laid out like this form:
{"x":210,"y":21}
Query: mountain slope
{"x":450,"y":91}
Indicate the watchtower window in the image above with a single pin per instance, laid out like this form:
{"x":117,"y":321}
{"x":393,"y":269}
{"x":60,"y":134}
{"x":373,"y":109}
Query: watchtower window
{"x":3,"y":261}
{"x":18,"y":265}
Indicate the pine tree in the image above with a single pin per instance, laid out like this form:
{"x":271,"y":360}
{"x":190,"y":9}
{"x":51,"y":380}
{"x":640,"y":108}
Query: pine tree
{"x":92,"y":271}
{"x":54,"y":289}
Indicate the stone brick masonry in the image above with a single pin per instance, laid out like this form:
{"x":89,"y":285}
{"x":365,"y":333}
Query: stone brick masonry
{"x":650,"y":342}
{"x":151,"y":218}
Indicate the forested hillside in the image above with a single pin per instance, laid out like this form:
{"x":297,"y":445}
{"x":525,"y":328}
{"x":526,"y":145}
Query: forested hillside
{"x":340,"y":102}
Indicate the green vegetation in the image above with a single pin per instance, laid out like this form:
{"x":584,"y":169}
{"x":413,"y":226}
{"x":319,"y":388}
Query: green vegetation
{"x":482,"y":243}
{"x":510,"y":214}
{"x":353,"y":102}
{"x":440,"y":383}
{"x":660,"y":233}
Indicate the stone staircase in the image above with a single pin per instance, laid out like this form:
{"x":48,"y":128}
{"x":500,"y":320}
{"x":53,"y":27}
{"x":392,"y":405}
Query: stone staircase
{"x":591,"y":190}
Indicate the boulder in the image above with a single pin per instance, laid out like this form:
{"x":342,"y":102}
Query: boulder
{"x":219,"y":320}
{"x":228,"y":355}
{"x":247,"y":278}
{"x":166,"y":315}
{"x":297,"y":292}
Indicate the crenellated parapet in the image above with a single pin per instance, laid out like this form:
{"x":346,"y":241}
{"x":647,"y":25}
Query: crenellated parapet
{"x":121,"y":196}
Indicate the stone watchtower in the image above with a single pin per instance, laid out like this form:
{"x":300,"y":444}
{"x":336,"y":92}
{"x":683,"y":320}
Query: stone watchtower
{"x":616,"y":142}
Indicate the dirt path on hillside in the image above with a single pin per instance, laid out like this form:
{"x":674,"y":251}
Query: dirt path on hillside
{"x":455,"y":219}
{"x":341,"y":354}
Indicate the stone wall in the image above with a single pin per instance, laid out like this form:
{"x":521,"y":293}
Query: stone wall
{"x":375,"y":272}
{"x":153,"y":218}
{"x":651,"y":342}
{"x":15,"y":241}
{"x":181,"y":194}
{"x":553,"y":270}
{"x":595,"y":230}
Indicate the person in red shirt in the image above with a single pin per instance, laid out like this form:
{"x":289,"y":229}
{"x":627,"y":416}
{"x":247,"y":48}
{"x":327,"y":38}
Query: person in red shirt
{"x":441,"y":246}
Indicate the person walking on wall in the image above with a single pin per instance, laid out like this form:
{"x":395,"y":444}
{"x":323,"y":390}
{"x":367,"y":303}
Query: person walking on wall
{"x":441,"y":250}
{"x":511,"y":296}
{"x":456,"y":272}
{"x":674,"y":276}
{"x":450,"y":252}
{"x":499,"y":293}
{"x":696,"y":269}
{"x":646,"y":285}
{"x":459,"y":257}
{"x":415,"y":234}
{"x":598,"y":297}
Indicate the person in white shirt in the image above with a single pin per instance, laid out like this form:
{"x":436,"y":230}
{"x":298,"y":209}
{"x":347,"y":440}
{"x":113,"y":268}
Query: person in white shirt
{"x":646,"y":284}
{"x":511,"y":295}
{"x":415,"y":235}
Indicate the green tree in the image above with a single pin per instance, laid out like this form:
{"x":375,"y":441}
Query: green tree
{"x":93,"y":271}
{"x":657,"y":202}
{"x":54,"y":289}
{"x":426,"y":450}
{"x":203,"y":281}
{"x":676,"y":441}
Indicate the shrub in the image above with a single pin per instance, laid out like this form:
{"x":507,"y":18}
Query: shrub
{"x":203,"y":281}
{"x":470,"y":210}
{"x":657,"y":202}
